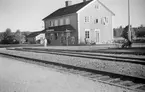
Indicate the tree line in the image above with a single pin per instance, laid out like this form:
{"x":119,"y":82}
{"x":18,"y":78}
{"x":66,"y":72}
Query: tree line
{"x":136,"y":31}
{"x":137,"y":34}
{"x":9,"y":37}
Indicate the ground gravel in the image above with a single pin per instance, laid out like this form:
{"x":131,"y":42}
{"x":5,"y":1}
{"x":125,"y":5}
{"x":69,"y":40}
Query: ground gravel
{"x":124,"y":68}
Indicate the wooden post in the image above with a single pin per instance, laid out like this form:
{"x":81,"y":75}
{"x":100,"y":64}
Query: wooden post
{"x":66,"y":37}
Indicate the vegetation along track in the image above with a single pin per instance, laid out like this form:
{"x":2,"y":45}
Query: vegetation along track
{"x":101,"y":56}
{"x":126,"y":82}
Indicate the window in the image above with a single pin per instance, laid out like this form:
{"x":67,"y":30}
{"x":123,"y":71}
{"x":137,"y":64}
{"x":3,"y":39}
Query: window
{"x":67,"y":21}
{"x":87,"y":34}
{"x":61,"y":21}
{"x":97,"y":6}
{"x":56,"y":23}
{"x":96,"y":21}
{"x":51,"y":23}
{"x":47,"y":24}
{"x":105,"y":20}
{"x":87,"y":19}
{"x":56,"y":36}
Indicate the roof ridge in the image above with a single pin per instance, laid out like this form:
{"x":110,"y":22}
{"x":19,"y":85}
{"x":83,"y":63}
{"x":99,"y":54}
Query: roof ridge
{"x":75,"y":8}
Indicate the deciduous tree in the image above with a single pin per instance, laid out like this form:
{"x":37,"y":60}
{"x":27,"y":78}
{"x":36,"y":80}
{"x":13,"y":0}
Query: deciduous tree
{"x":17,"y":36}
{"x":125,"y":33}
{"x":7,"y":33}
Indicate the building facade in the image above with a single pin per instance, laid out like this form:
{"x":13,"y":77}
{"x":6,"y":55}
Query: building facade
{"x":36,"y":37}
{"x":88,"y":22}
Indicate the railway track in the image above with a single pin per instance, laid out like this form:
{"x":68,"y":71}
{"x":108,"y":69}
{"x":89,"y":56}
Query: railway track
{"x":128,"y":51}
{"x":97,"y":55}
{"x":126,"y":82}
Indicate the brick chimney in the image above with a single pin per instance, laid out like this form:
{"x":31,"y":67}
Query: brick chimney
{"x":68,"y":3}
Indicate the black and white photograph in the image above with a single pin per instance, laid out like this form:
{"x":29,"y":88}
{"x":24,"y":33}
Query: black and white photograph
{"x":72,"y":45}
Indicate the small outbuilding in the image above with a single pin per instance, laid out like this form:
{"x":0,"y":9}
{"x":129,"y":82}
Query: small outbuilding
{"x":36,"y":37}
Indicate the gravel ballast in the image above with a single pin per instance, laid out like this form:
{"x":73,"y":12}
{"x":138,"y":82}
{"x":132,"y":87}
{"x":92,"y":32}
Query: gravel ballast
{"x":129,"y":69}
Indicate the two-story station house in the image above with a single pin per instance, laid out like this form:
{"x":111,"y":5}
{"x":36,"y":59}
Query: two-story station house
{"x":87,"y":22}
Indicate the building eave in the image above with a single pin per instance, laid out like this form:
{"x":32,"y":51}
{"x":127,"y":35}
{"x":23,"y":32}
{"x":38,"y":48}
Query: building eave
{"x":106,"y":8}
{"x":58,"y":16}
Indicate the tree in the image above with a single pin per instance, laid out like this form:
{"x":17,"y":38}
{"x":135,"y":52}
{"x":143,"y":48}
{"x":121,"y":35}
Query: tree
{"x":25,"y":34}
{"x":125,"y":33}
{"x":17,"y":36}
{"x":7,"y":38}
{"x":120,"y":27}
{"x":7,"y":33}
{"x":141,"y":26}
{"x":140,"y":32}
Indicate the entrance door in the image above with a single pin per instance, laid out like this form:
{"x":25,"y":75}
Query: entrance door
{"x":97,"y":32}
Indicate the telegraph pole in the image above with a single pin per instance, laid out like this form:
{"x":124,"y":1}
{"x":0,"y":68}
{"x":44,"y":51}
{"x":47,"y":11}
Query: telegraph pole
{"x":129,"y":31}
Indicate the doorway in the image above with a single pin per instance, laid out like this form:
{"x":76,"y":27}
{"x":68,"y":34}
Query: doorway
{"x":97,"y":35}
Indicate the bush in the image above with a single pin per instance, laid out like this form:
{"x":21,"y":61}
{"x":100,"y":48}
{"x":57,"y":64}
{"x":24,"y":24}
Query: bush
{"x":9,"y":40}
{"x":120,"y":41}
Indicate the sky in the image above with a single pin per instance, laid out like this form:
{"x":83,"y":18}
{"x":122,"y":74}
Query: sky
{"x":27,"y":15}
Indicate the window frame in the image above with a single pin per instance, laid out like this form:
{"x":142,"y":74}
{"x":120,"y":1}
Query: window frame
{"x":105,"y":20}
{"x":87,"y":33}
{"x":87,"y":19}
{"x":56,"y":22}
{"x":61,"y":21}
{"x":96,"y":20}
{"x":51,"y":23}
{"x":97,"y":6}
{"x":67,"y":20}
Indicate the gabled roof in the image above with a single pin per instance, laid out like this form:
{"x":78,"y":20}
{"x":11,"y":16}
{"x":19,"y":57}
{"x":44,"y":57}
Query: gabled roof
{"x":34,"y":34}
{"x":68,"y":10}
{"x":72,"y":9}
{"x":106,"y":7}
